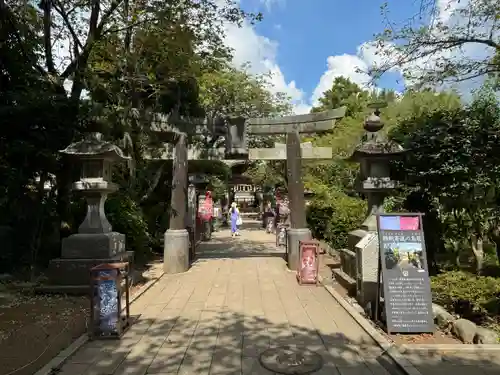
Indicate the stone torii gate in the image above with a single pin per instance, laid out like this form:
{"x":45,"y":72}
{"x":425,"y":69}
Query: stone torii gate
{"x":237,"y":129}
{"x":293,"y":152}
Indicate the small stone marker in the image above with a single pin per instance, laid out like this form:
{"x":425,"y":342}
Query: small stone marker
{"x":402,"y":259}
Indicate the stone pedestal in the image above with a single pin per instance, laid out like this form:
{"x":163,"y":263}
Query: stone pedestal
{"x":93,"y":245}
{"x":72,"y":276}
{"x":176,"y":251}
{"x":294,"y":236}
{"x":367,"y":253}
{"x":80,"y":252}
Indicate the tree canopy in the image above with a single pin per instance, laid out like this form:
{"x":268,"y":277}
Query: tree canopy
{"x":444,"y":42}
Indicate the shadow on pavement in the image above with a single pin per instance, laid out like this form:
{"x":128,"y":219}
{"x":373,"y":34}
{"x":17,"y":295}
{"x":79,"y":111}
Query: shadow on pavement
{"x":225,"y":342}
{"x":195,"y":334}
{"x":248,"y":244}
{"x":221,"y":342}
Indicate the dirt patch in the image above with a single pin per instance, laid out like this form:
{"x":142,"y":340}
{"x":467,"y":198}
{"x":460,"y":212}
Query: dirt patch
{"x":34,"y":328}
{"x":425,"y":338}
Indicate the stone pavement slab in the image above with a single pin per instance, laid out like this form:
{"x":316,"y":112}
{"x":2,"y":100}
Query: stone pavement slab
{"x":236,"y":301}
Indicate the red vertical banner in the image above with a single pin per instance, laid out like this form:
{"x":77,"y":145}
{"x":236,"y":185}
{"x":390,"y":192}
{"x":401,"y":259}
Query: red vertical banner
{"x":206,"y":207}
{"x":308,"y":262}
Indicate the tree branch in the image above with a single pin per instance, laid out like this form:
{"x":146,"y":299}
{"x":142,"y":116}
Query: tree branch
{"x":154,"y":184}
{"x":95,"y":32}
{"x":46,"y":5}
{"x":65,"y":17}
{"x":105,"y":17}
{"x":94,"y":16}
{"x":128,"y":27}
{"x":455,"y":42}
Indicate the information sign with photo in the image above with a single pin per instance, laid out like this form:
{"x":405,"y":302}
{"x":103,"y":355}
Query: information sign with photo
{"x":403,"y":264}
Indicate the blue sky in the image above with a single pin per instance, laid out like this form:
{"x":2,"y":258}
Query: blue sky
{"x":307,"y":34}
{"x":306,"y":44}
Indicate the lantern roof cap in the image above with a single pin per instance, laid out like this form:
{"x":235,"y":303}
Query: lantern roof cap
{"x":375,"y":144}
{"x":93,"y":146}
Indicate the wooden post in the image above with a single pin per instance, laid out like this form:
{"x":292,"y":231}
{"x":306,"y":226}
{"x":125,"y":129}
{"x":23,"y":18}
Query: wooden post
{"x":295,"y":184}
{"x":179,"y":184}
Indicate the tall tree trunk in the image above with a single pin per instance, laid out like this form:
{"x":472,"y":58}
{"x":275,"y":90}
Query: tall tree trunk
{"x":456,"y":251}
{"x":478,"y":251}
{"x":494,"y":236}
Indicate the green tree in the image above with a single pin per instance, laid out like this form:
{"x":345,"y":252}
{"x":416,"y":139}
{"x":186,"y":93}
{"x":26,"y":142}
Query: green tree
{"x":236,"y":92}
{"x":454,"y":156}
{"x":446,"y":41}
{"x":343,"y":92}
{"x":131,"y":58}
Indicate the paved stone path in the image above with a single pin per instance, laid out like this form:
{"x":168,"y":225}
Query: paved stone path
{"x":236,"y":301}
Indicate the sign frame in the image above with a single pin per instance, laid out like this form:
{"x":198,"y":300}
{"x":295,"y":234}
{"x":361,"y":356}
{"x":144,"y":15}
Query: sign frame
{"x":313,"y":246}
{"x":415,"y":269}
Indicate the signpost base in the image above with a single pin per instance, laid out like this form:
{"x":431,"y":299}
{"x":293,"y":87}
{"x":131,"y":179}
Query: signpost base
{"x":176,"y":251}
{"x":295,"y":235}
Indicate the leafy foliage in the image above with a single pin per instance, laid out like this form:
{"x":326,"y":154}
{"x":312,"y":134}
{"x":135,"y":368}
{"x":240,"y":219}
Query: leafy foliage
{"x":126,"y":217}
{"x":125,"y":62}
{"x":454,"y":157}
{"x":331,"y":215}
{"x":473,"y":297}
{"x":448,"y":41}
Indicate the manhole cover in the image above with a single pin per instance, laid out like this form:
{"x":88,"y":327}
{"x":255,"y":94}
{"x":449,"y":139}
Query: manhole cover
{"x":290,"y":360}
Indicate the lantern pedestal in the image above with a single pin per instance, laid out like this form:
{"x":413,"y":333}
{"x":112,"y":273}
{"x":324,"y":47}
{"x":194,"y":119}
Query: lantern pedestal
{"x":93,"y":245}
{"x":176,"y":251}
{"x":71,"y":276}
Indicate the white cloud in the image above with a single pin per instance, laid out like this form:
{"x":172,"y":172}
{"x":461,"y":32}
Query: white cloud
{"x":447,"y":13}
{"x":269,"y":4}
{"x":261,"y":52}
{"x":341,"y":66}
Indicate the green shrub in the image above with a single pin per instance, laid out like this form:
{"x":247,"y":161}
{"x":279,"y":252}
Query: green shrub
{"x":332,"y":215}
{"x":473,"y":297}
{"x":126,"y":217}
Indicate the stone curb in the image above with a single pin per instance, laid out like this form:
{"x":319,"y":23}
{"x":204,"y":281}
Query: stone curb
{"x":390,"y":349}
{"x":460,"y":348}
{"x":59,"y":360}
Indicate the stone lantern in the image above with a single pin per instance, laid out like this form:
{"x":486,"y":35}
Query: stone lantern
{"x":95,"y":242}
{"x":359,"y":262}
{"x":375,"y":154}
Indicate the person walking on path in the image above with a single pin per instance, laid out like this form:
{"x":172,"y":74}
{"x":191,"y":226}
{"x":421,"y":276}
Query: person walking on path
{"x":235,"y":219}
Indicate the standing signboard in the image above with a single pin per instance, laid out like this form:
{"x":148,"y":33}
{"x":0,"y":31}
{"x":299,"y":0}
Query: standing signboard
{"x":308,"y":262}
{"x":403,"y":264}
